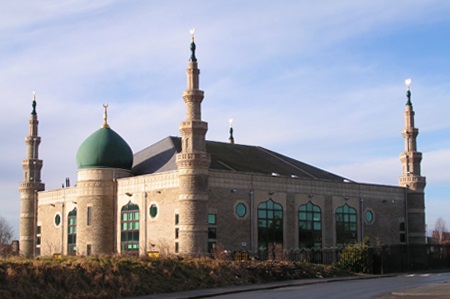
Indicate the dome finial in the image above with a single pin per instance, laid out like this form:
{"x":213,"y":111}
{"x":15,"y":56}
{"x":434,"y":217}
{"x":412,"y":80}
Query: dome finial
{"x":408,"y":91}
{"x":231,"y":138}
{"x":105,"y":116}
{"x":193,"y":58}
{"x":33,"y":112}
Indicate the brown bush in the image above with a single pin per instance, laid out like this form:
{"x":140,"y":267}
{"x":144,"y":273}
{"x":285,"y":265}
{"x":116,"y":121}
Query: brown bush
{"x":120,"y":276}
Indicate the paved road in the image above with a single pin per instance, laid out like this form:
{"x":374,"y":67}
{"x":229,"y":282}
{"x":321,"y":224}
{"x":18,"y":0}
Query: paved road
{"x":433,"y":285}
{"x":361,"y":289}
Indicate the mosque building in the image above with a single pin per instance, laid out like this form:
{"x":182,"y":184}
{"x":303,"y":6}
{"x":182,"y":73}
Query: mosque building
{"x":188,"y":195}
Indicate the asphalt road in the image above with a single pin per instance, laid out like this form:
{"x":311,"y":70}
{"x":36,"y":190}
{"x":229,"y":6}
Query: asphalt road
{"x":425,"y":285}
{"x":361,"y":289}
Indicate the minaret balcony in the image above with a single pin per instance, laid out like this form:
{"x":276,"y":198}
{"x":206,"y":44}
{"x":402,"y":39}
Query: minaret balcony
{"x":412,"y":181}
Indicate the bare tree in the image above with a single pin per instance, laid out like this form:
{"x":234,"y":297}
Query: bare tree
{"x":6,"y":231}
{"x":439,"y":229}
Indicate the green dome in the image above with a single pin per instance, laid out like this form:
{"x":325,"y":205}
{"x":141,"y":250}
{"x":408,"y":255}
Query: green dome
{"x":105,"y":148}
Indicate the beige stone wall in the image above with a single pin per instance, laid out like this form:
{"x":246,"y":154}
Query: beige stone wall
{"x":97,"y":189}
{"x":51,"y":203}
{"x":158,"y":233}
{"x":226,"y":191}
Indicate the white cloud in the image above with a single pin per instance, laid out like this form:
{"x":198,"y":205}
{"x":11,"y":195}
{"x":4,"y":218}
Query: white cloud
{"x":319,"y":84}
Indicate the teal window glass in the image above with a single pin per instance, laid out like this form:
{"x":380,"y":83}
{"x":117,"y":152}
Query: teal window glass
{"x":369,"y":216}
{"x":153,"y":211}
{"x":241,"y":210}
{"x":309,"y":226}
{"x":212,"y":219}
{"x":72,"y":232}
{"x":57,"y":219}
{"x":129,"y":235}
{"x":270,"y":227}
{"x":346,"y":228}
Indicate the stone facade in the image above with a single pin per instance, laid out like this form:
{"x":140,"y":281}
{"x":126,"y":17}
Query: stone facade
{"x":195,"y":208}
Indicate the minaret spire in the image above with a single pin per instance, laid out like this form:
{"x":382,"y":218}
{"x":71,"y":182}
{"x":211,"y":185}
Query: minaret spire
{"x":411,"y":158}
{"x":28,"y":189}
{"x":193,"y":164}
{"x":231,"y":138}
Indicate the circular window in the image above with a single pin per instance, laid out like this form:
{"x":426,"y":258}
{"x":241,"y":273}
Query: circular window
{"x":241,"y":210}
{"x":153,"y":211}
{"x":369,"y":216}
{"x":57,"y":219}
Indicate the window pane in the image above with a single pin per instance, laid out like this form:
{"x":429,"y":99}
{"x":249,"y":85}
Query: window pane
{"x":153,"y":211}
{"x":211,"y":218}
{"x":241,"y":210}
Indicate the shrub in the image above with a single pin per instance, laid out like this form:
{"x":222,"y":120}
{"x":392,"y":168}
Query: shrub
{"x":354,"y":257}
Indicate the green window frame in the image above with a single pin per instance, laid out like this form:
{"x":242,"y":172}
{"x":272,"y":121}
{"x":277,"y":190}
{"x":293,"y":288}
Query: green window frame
{"x":309,"y":226}
{"x":270,"y":226}
{"x":346,"y":225}
{"x":129,"y":235}
{"x":72,"y":232}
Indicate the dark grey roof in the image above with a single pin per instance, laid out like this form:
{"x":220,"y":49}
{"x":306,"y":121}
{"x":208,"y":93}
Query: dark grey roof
{"x":160,"y":157}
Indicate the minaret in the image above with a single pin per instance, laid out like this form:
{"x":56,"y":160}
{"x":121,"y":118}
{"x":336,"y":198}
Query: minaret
{"x":193,"y":164}
{"x":411,"y":158}
{"x":28,"y":189}
{"x":411,"y":177}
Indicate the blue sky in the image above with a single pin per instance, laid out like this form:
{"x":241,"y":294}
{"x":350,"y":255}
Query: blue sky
{"x":319,"y":81}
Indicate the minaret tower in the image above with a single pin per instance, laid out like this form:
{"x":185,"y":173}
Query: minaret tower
{"x":28,"y":189}
{"x":193,"y":164}
{"x":411,"y":177}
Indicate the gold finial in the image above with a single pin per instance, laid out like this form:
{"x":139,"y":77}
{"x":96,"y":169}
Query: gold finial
{"x":105,"y":116}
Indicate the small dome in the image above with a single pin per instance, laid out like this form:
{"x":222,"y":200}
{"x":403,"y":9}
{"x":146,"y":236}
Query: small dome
{"x":105,"y":148}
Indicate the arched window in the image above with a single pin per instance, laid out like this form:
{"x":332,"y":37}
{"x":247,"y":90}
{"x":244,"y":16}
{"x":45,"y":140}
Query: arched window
{"x":346,"y":230}
{"x":72,"y":232}
{"x":270,"y":227}
{"x":309,"y":226}
{"x":129,"y":237}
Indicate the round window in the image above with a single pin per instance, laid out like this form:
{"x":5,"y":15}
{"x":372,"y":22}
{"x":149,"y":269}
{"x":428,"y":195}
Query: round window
{"x":57,"y":219}
{"x":153,"y":211}
{"x":241,"y":210}
{"x":369,"y":216}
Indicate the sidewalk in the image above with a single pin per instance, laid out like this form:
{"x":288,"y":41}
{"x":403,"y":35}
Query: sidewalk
{"x":435,"y":291}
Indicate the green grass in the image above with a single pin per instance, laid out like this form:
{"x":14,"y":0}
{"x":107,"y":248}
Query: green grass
{"x":117,"y":277}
